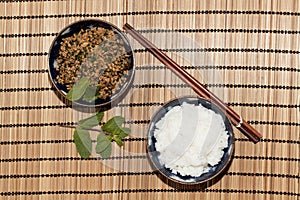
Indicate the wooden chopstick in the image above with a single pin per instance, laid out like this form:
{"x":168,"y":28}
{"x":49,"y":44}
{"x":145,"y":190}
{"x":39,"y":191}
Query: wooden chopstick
{"x":236,"y":119}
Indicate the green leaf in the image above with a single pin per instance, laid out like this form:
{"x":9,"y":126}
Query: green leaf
{"x":100,"y":116}
{"x":103,"y":146}
{"x":107,"y":152}
{"x":124,"y":133}
{"x":83,"y":142}
{"x":102,"y":143}
{"x":121,"y":132}
{"x":91,"y":93}
{"x":118,"y":140}
{"x":91,"y":121}
{"x":78,"y":89}
{"x":113,"y":124}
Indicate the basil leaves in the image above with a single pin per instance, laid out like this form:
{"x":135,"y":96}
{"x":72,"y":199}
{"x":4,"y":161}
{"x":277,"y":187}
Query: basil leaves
{"x":103,"y":146}
{"x":83,"y":90}
{"x":78,"y":89}
{"x":111,"y":131}
{"x":92,"y":121}
{"x":83,"y":142}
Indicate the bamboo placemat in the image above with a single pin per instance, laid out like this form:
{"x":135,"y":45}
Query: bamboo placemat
{"x":245,"y":51}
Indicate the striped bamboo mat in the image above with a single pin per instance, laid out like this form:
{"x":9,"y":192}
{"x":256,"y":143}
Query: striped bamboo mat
{"x":247,"y":52}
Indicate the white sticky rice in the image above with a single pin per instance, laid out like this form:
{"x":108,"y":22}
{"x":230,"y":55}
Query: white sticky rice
{"x":190,"y":139}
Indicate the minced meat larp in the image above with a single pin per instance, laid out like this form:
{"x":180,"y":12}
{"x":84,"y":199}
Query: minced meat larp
{"x":96,"y":53}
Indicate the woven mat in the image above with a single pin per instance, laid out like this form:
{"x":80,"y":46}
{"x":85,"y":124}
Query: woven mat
{"x":247,"y":52}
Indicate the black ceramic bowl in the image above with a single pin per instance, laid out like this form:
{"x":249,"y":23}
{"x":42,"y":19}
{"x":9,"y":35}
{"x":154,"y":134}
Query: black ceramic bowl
{"x":214,"y":171}
{"x":73,"y":29}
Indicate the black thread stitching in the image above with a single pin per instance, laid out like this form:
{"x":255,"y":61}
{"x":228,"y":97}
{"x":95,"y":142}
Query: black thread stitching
{"x":270,"y":140}
{"x":70,"y":158}
{"x":232,"y":50}
{"x":288,"y":176}
{"x":35,"y":107}
{"x":35,"y":142}
{"x":28,"y":142}
{"x":26,"y":89}
{"x":289,"y":106}
{"x":60,"y":124}
{"x":23,"y":54}
{"x":194,"y":12}
{"x":267,"y":158}
{"x":226,"y":50}
{"x":255,"y":86}
{"x":251,"y":31}
{"x":288,"y":159}
{"x":126,"y":191}
{"x":220,"y":31}
{"x":14,"y":35}
{"x":37,"y":124}
{"x":249,"y":68}
{"x":24,"y":71}
{"x":263,"y":105}
{"x":278,"y":123}
{"x":274,"y":123}
{"x":157,"y":85}
{"x":137,"y":122}
{"x":17,"y":176}
{"x":76,"y":175}
{"x":69,"y":106}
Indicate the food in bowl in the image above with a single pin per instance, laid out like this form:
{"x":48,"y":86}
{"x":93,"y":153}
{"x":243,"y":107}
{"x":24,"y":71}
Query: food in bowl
{"x":97,"y":51}
{"x":190,"y":140}
{"x":183,"y":139}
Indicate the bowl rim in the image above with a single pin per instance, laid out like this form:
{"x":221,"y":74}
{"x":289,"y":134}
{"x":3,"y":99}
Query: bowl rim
{"x":116,"y":97}
{"x":154,"y":161}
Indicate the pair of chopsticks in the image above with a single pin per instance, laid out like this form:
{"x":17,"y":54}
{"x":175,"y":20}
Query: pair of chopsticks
{"x":235,"y":119}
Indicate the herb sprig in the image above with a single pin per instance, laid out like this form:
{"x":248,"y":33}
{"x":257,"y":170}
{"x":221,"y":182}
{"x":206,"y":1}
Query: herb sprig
{"x":111,"y":131}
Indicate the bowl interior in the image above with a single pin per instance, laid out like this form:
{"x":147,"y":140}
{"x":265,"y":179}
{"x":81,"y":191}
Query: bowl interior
{"x":75,"y":28}
{"x":214,"y":170}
